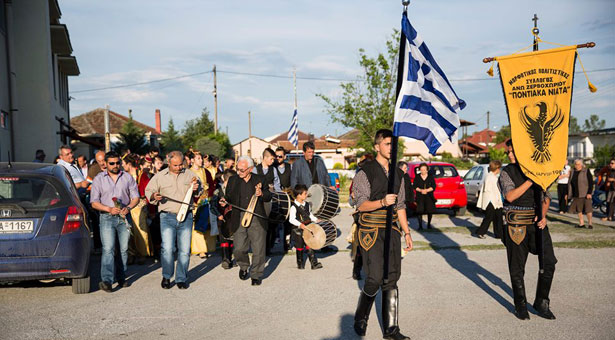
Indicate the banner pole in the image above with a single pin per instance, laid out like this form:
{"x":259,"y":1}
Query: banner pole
{"x":538,"y":194}
{"x":393,"y":160}
{"x":590,"y":44}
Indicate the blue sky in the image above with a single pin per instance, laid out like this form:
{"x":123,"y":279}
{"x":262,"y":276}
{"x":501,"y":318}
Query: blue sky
{"x":137,"y":41}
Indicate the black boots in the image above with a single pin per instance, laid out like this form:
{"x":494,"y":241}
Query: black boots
{"x":390,"y":306}
{"x":227,"y":261}
{"x":313,"y":261}
{"x":541,"y":303}
{"x":520,"y":300}
{"x":362,"y":314}
{"x":300,"y":263}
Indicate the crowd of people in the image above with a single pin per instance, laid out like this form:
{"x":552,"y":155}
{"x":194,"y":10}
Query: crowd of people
{"x":180,"y":205}
{"x":135,"y":202}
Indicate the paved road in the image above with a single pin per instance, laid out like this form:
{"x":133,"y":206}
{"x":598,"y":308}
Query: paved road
{"x":447,"y":294}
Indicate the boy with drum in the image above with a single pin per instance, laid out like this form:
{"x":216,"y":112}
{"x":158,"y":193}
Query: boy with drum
{"x":299,"y":217}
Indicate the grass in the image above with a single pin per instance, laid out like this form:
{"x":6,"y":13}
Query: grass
{"x":568,"y":244}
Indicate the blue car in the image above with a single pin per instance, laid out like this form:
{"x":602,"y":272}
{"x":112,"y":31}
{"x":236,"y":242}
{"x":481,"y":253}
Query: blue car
{"x":43,"y":233}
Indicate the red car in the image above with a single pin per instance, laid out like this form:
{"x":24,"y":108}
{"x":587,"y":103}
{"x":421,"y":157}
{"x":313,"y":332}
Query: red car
{"x":450,"y":191}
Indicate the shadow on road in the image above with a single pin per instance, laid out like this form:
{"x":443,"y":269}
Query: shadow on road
{"x":273,"y":263}
{"x":458,"y":260}
{"x":204,"y":267}
{"x":346,"y":330}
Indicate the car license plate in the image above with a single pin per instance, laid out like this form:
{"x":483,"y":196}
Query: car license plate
{"x":16,"y":227}
{"x":444,"y":202}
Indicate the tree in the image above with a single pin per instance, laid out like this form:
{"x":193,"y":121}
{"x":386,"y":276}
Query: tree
{"x":503,"y":134}
{"x":574,"y":127}
{"x":171,"y":139}
{"x":225,"y":142}
{"x":209,"y":146}
{"x":593,"y":123}
{"x":603,"y":154}
{"x":498,"y":154}
{"x":368,"y":105}
{"x":197,"y":128}
{"x":131,"y":138}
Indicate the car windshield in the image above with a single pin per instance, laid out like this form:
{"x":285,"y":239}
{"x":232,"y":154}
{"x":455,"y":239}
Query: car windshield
{"x":443,"y":171}
{"x":28,"y":193}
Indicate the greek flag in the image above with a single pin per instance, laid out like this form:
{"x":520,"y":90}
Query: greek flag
{"x":427,"y":105}
{"x":293,"y":132}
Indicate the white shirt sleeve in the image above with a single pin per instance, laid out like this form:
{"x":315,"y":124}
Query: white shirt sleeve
{"x":292,"y":218}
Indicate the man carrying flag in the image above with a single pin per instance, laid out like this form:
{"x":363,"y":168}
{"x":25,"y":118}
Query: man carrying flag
{"x":425,"y":110}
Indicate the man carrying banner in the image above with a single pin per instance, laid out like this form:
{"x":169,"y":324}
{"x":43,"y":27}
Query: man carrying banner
{"x":370,"y":192}
{"x":521,"y":235}
{"x":537,"y":88}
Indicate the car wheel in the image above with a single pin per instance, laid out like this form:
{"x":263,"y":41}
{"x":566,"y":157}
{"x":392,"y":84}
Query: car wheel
{"x":82,"y":285}
{"x":460,"y":211}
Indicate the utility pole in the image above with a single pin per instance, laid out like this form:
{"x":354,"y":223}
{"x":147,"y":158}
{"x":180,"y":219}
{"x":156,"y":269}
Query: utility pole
{"x":488,"y":125}
{"x":250,"y":133}
{"x":215,"y":102}
{"x":107,"y":133}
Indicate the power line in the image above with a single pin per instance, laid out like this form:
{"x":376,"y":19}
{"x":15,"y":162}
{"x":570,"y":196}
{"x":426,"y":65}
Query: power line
{"x":141,"y":83}
{"x":266,"y":75}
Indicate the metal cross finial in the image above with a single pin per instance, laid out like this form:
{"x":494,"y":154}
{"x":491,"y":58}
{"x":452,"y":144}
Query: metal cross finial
{"x":535,"y":20}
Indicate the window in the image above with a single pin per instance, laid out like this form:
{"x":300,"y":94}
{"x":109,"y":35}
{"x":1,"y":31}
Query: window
{"x":28,"y":192}
{"x":2,"y":18}
{"x":479,"y":174}
{"x":470,"y":174}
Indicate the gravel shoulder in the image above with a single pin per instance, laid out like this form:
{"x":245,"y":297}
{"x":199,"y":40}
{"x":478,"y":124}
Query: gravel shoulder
{"x":445,"y":294}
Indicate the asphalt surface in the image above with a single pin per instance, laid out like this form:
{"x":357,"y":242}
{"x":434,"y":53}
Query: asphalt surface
{"x":446,"y":294}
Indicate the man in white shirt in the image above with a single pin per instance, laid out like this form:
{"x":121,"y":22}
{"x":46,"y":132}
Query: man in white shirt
{"x":562,"y":189}
{"x":82,"y":164}
{"x":66,"y":160}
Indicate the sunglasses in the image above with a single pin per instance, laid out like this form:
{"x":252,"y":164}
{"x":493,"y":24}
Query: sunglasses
{"x":113,"y":163}
{"x":242,"y":170}
{"x":279,"y":156}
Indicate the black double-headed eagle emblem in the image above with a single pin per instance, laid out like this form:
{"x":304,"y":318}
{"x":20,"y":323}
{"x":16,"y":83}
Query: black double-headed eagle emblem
{"x":541,"y":129}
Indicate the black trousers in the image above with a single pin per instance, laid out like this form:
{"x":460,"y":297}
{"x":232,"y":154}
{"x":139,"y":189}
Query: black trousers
{"x":373,"y":263}
{"x":517,"y":253}
{"x":562,"y":191}
{"x":491,"y":215}
{"x":297,"y":236}
{"x":252,"y":237}
{"x":272,"y":233}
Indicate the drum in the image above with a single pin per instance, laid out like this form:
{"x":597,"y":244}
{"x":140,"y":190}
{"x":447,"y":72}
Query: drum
{"x":325,"y":201}
{"x":280,"y":206}
{"x":319,"y":235}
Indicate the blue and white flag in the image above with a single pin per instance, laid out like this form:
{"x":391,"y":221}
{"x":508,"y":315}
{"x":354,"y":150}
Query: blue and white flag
{"x":427,"y":105}
{"x":293,"y":132}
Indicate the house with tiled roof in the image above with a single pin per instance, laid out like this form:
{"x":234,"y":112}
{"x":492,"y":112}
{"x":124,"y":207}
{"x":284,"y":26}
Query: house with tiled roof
{"x":90,"y":126}
{"x":332,"y":149}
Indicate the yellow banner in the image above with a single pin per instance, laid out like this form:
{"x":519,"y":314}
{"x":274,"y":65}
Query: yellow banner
{"x":538,"y":92}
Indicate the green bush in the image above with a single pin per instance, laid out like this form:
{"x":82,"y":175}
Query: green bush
{"x":460,"y":164}
{"x":352,"y":166}
{"x":338,"y":166}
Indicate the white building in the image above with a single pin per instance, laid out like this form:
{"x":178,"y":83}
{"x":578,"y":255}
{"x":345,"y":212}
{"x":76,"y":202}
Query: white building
{"x":35,"y":63}
{"x":582,"y":145}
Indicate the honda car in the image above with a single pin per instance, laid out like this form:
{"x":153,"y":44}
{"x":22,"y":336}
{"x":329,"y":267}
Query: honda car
{"x":43,"y":230}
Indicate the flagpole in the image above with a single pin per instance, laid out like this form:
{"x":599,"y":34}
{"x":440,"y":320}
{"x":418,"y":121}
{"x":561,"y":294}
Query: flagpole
{"x":393,"y":160}
{"x":295,"y":91}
